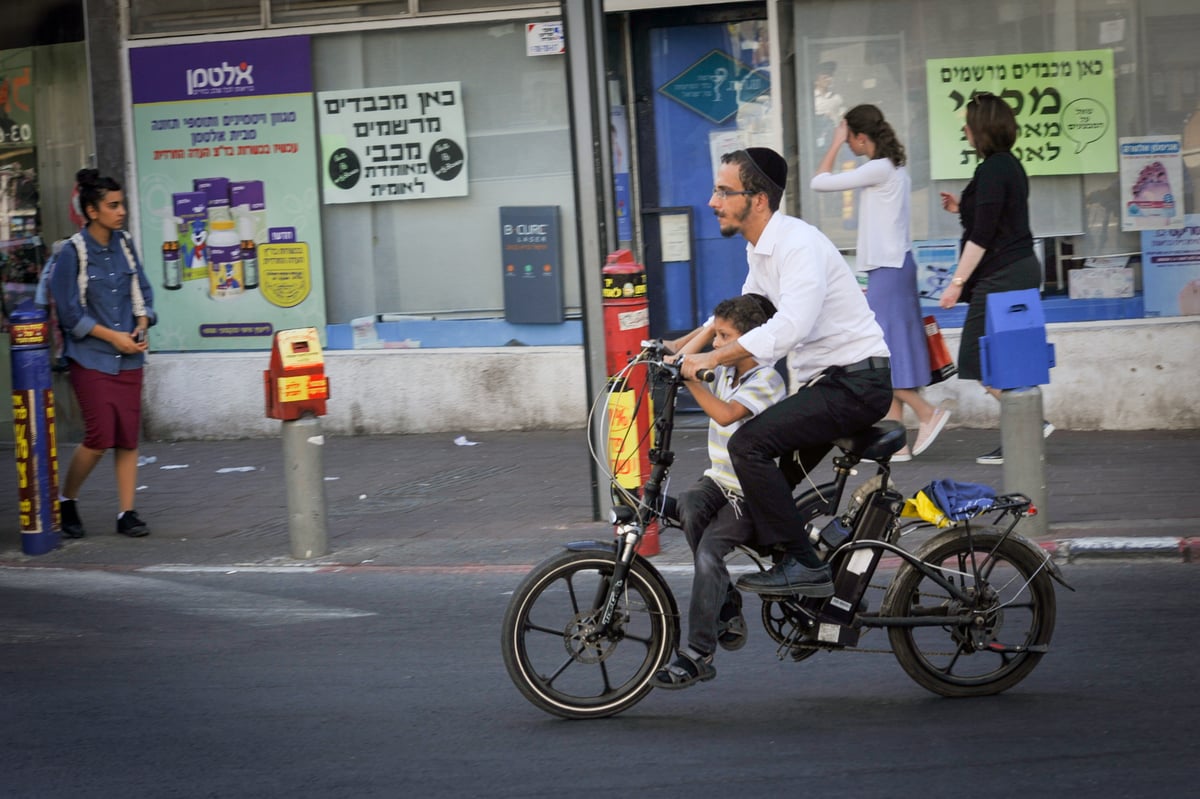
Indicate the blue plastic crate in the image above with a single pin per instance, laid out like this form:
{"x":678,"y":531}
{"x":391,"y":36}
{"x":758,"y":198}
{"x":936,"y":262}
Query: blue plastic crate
{"x":1014,"y":352}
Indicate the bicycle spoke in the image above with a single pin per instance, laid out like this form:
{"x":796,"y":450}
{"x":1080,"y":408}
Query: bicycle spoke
{"x":540,"y":629}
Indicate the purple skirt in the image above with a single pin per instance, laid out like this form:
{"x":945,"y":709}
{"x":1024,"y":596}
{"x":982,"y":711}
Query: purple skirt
{"x":892,"y":295}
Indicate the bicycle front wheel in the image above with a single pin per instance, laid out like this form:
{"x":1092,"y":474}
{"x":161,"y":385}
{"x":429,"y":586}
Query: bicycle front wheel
{"x":1011,"y":607}
{"x":549,"y":643}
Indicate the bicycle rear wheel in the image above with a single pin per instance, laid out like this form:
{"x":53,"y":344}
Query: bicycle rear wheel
{"x":1011,"y":605}
{"x":547,"y":644}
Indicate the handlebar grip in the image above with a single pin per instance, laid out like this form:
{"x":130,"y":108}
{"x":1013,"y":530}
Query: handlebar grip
{"x":706,"y":375}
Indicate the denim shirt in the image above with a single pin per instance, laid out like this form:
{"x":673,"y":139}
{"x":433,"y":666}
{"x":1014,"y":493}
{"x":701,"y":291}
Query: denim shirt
{"x":109,"y":302}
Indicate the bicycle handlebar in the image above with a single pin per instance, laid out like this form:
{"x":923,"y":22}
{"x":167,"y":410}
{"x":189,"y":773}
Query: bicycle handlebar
{"x":655,"y":350}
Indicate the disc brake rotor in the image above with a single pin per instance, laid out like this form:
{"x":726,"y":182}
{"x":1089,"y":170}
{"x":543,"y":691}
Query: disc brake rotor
{"x":577,"y":632}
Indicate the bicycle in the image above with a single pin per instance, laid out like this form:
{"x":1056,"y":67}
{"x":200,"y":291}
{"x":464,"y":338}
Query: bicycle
{"x":970,"y":613}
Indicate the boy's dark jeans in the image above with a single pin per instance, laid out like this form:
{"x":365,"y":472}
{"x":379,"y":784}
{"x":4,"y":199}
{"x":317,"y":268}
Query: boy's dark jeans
{"x":713,"y":528}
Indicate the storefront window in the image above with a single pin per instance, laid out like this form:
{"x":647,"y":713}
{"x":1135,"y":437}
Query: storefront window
{"x":307,"y":11}
{"x":1041,"y":57}
{"x":44,"y":139}
{"x":411,"y":250}
{"x":158,"y":17}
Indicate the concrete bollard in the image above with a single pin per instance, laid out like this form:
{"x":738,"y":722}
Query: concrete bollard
{"x":303,"y":465}
{"x":1025,"y":452}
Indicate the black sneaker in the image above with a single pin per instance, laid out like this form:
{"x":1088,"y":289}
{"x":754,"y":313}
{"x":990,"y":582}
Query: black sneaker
{"x":129,"y":524}
{"x":790,"y":576}
{"x":72,"y":525}
{"x":993,"y":458}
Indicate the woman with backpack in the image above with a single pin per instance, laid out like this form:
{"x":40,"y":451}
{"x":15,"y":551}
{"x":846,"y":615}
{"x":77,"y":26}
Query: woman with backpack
{"x":105,"y":305}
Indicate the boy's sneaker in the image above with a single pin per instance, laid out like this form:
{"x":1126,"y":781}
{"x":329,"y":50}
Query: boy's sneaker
{"x":129,"y":524}
{"x":993,"y":458}
{"x":72,"y":525}
{"x":1047,"y":429}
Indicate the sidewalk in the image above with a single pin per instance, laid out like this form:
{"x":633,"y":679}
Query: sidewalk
{"x":423,"y":501}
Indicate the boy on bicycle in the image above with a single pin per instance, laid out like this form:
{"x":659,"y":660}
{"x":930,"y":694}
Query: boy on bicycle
{"x":711,"y":512}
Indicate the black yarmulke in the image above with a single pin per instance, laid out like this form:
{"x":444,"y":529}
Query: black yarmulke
{"x":770,"y":163}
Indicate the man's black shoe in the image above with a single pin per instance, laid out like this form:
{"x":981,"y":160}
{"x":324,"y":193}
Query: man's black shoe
{"x":790,"y":576}
{"x":129,"y":524}
{"x":72,"y":525}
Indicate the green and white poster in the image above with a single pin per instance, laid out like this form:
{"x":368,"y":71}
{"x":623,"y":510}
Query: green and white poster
{"x":229,"y":204}
{"x":1065,"y":105}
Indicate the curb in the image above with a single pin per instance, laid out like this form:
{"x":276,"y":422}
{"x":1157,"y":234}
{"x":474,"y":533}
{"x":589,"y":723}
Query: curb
{"x":1182,"y":549}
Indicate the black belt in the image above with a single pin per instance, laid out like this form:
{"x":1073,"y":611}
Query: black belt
{"x":874,"y":362}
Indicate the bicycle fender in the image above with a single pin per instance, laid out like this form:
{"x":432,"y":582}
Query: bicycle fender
{"x":1051,"y":567}
{"x":588,"y":545}
{"x":607,"y":547}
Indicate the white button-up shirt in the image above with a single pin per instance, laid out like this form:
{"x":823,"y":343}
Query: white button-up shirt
{"x":822,"y":318}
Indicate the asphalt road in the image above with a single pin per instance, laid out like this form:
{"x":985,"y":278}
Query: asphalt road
{"x":390,"y":684}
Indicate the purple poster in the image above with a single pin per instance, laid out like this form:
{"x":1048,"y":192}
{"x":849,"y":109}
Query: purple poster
{"x":221,"y":70}
{"x":227,"y":156}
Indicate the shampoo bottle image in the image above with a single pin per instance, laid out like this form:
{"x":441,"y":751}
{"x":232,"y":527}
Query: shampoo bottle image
{"x":172,"y":264}
{"x":249,"y":252}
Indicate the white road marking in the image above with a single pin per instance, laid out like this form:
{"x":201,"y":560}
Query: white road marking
{"x":255,"y":610}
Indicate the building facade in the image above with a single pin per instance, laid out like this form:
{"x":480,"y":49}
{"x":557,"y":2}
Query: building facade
{"x":434,"y":184}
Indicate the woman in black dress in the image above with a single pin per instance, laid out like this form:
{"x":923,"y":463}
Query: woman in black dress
{"x":996,"y":253}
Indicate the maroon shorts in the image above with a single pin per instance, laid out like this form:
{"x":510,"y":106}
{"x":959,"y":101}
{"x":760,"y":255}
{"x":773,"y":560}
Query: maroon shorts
{"x":111,"y":406}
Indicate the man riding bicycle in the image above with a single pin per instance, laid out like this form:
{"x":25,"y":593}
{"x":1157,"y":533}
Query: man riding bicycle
{"x":837,"y":361}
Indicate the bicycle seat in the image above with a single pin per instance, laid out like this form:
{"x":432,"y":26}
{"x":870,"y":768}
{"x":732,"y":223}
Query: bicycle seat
{"x":880,"y":440}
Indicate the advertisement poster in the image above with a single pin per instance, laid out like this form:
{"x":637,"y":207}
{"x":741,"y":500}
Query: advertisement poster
{"x":1151,"y":182}
{"x":619,"y":130}
{"x":1171,"y":270}
{"x":1064,"y":102}
{"x":532,"y":264}
{"x":936,"y":261}
{"x":393,"y":143}
{"x":226,"y":156}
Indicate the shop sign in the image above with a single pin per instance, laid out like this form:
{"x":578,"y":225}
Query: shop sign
{"x":388,"y":143}
{"x":1065,"y":104}
{"x":716,"y":86}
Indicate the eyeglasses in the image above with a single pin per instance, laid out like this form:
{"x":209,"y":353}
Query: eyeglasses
{"x":722,"y":194}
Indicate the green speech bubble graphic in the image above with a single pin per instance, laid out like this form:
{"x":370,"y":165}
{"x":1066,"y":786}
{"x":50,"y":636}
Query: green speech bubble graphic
{"x":1084,"y":121}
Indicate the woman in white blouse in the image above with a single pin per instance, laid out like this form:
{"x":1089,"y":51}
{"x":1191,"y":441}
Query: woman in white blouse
{"x":885,"y":253}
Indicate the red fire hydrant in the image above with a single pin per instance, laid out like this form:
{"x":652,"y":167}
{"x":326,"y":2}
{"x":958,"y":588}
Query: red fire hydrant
{"x":626,"y":326}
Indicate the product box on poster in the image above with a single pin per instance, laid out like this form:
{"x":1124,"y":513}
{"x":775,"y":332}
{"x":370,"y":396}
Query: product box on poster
{"x":191,"y":209}
{"x":249,"y":201}
{"x":1100,"y":283}
{"x":216,"y":189}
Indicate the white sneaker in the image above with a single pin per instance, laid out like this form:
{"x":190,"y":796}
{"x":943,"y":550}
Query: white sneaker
{"x":903,"y":456}
{"x":1047,"y":429}
{"x":928,"y":431}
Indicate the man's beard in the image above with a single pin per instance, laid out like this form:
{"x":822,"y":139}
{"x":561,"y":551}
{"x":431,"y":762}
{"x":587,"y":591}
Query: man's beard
{"x":728,"y":231}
